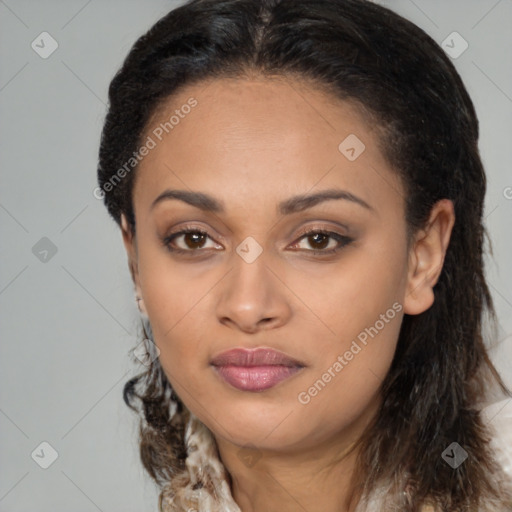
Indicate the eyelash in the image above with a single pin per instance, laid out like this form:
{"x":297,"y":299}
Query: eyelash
{"x":342,"y":240}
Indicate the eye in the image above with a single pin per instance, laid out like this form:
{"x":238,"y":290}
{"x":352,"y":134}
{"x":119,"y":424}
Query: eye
{"x":191,"y":239}
{"x":323,"y":241}
{"x":188,"y":240}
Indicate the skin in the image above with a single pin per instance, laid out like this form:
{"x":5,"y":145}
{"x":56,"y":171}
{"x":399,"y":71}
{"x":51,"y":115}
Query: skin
{"x":252,"y":143}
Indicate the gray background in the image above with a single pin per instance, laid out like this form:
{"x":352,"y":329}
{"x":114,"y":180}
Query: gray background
{"x":68,"y":324}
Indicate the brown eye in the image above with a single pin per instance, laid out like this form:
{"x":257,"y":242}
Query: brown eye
{"x":187,"y":241}
{"x":323,"y":242}
{"x":194,"y":240}
{"x":318,"y":240}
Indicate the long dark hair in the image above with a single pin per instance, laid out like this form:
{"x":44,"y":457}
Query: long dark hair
{"x":369,"y":55}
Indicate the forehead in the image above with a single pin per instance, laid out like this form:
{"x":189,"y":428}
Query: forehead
{"x":262,"y":140}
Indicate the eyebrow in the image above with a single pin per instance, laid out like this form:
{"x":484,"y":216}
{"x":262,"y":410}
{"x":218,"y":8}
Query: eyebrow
{"x":294,"y":204}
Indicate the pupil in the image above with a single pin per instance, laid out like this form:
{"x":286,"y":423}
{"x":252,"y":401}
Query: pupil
{"x":325,"y":240}
{"x":195,"y":237}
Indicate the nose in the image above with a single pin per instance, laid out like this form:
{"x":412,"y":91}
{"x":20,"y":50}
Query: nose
{"x":252,"y":297}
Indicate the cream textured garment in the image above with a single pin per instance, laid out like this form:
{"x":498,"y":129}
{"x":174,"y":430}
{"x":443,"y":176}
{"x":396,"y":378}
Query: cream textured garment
{"x":206,"y":489}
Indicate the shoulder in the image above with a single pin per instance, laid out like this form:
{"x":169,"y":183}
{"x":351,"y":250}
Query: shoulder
{"x":498,"y":419}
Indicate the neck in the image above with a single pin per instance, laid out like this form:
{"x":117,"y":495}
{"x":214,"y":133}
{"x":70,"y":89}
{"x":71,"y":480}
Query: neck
{"x":301,"y":478}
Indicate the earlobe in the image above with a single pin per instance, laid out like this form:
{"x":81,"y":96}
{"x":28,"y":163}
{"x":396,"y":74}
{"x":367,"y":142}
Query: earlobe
{"x":129,"y":243}
{"x":426,"y":258}
{"x":419,"y":292}
{"x":131,"y":250}
{"x":127,"y":233}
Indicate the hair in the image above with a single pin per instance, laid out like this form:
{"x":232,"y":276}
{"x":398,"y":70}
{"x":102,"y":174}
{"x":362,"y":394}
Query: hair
{"x":399,"y":77}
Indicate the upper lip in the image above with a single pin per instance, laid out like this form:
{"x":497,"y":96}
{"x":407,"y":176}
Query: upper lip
{"x":254,"y":357}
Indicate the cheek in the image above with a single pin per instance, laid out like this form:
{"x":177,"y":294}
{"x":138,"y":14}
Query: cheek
{"x":170,"y":289}
{"x":350,"y":295}
{"x":349,"y":380}
{"x":360,"y":304}
{"x":174,"y":298}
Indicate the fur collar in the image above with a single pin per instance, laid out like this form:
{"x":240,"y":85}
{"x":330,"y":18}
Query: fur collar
{"x":204,"y":486}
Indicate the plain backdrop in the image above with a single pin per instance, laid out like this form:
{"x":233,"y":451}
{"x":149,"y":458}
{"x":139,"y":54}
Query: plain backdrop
{"x":68,"y":315}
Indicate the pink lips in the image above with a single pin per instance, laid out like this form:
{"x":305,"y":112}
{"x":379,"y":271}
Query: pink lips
{"x":255,"y":370}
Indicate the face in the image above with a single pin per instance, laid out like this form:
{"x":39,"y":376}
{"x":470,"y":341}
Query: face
{"x":300,"y":247}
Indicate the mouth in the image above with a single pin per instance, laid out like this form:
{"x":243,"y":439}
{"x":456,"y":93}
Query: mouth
{"x":255,"y":370}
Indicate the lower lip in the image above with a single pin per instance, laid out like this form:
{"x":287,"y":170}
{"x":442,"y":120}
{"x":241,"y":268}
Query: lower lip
{"x":255,"y":378}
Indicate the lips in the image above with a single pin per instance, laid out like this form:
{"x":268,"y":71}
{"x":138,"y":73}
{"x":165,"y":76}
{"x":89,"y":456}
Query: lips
{"x":255,"y":370}
{"x":254,"y":357}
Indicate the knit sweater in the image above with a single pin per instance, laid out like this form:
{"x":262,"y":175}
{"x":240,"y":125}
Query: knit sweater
{"x":204,"y":486}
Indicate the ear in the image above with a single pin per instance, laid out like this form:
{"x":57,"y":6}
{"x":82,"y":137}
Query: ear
{"x":130,"y":244}
{"x":426,"y":258}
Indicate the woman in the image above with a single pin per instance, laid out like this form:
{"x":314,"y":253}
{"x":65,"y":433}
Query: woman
{"x":300,"y":196}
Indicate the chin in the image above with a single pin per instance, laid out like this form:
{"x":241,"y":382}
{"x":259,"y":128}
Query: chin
{"x":249,"y":422}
